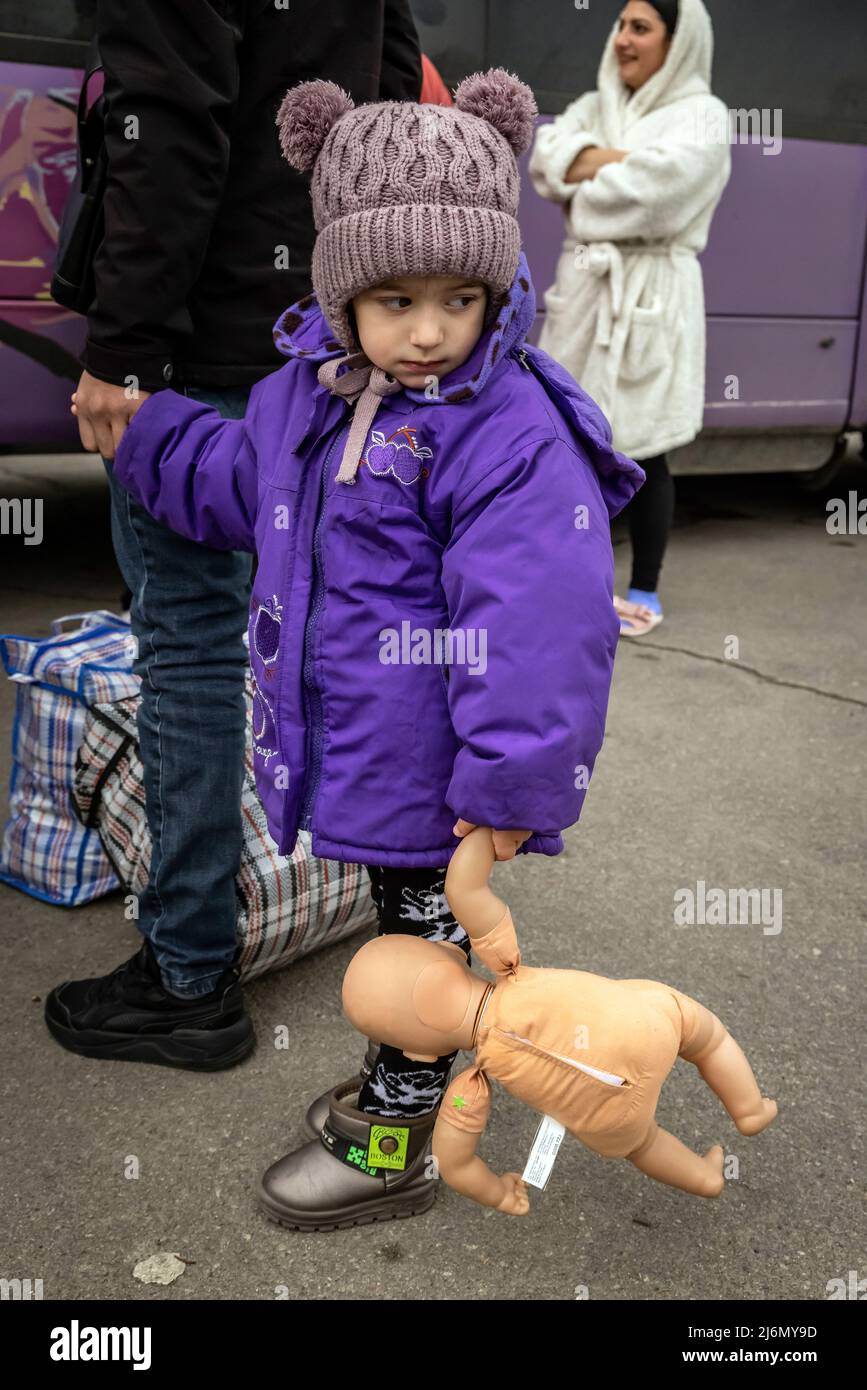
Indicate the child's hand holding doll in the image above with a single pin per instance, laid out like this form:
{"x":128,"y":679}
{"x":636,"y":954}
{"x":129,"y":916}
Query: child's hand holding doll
{"x":506,"y":842}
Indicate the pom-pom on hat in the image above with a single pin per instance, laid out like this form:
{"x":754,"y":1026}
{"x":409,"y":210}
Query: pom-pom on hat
{"x":401,"y":188}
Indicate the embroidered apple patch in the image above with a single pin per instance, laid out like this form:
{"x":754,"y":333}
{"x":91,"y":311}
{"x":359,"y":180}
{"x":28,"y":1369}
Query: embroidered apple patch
{"x":266,"y":630}
{"x":398,"y":455}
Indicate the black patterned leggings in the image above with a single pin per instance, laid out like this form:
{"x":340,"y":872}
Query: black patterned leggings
{"x":412,"y":902}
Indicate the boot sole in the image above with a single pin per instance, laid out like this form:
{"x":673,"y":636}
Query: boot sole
{"x":193,"y":1049}
{"x":361,"y":1214}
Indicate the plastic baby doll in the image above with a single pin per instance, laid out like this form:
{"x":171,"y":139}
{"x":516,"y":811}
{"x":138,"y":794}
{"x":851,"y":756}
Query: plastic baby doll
{"x":589,"y":1051}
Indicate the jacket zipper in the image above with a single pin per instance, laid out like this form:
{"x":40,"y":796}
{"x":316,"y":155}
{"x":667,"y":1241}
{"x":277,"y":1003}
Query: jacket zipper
{"x":313,"y":696}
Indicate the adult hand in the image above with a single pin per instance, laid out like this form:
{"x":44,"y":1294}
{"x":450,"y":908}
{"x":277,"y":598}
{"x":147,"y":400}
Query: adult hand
{"x":589,"y":161}
{"x":506,"y":842}
{"x":103,"y":412}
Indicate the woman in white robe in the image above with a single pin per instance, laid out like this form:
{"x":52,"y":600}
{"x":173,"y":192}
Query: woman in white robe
{"x":639,"y":166}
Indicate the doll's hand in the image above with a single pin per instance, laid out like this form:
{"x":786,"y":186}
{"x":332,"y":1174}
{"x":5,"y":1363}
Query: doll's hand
{"x":506,"y":842}
{"x":515,"y":1201}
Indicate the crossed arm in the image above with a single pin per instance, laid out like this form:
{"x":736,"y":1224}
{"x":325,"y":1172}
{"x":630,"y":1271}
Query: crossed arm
{"x":589,"y":161}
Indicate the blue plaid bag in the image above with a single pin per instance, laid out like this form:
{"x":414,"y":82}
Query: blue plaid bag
{"x":45,"y":849}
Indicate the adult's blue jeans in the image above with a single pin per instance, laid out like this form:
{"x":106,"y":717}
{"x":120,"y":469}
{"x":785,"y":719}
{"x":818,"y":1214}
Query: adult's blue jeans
{"x":189,"y":612}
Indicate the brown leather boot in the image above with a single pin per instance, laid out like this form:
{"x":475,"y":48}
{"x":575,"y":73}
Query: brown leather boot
{"x":317,"y":1112}
{"x":362,"y":1168}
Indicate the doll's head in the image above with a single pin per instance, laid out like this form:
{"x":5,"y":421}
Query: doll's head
{"x":411,"y":191}
{"x":416,"y":995}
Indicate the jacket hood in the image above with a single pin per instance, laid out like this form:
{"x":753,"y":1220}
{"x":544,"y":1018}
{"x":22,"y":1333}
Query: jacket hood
{"x":302,"y":333}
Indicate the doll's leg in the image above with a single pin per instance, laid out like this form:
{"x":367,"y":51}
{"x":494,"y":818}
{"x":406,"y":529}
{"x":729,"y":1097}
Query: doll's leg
{"x":665,"y":1158}
{"x":726,"y":1070}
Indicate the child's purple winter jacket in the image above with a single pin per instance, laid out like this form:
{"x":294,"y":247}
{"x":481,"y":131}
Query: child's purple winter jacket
{"x":435,"y":640}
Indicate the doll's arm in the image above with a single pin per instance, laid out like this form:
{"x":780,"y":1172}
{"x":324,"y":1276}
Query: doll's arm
{"x":463,"y":1116}
{"x":460,"y":1166}
{"x":467,"y":1173}
{"x":498,"y":949}
{"x":484,"y":917}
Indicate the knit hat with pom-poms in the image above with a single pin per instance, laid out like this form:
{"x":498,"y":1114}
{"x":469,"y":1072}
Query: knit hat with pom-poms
{"x":400,"y":188}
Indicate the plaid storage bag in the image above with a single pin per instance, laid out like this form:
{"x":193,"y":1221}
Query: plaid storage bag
{"x":45,"y":850}
{"x":288,"y":906}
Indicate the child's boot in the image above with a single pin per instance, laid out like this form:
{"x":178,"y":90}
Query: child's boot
{"x":317,"y":1112}
{"x":361,"y":1168}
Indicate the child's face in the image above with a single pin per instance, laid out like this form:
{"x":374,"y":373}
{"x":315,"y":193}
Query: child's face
{"x":418,"y":326}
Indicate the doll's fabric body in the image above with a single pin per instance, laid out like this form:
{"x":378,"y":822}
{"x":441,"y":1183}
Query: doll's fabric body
{"x":588,"y":1051}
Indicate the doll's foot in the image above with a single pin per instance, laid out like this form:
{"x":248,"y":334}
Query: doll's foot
{"x":754,"y":1124}
{"x":713,"y":1161}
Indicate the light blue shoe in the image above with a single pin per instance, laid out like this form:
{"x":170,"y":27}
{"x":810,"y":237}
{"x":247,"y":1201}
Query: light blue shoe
{"x":634,"y":623}
{"x":650,"y":599}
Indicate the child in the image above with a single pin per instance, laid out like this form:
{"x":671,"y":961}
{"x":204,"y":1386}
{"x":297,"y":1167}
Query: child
{"x":432,"y":633}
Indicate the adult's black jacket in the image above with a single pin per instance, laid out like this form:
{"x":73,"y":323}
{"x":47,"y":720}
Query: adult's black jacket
{"x":190,"y":276}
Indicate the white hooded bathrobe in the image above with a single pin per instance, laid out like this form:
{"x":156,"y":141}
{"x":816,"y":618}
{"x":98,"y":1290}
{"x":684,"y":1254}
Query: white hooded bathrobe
{"x":625,"y":314}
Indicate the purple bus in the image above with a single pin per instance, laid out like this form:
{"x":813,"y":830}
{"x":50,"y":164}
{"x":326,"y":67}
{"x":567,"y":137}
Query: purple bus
{"x":784,"y":270}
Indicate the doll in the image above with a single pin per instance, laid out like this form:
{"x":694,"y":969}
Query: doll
{"x":588,"y":1051}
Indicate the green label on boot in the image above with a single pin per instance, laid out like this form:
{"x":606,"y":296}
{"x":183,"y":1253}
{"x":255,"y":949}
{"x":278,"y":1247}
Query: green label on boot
{"x":388,"y":1146}
{"x":358,"y":1158}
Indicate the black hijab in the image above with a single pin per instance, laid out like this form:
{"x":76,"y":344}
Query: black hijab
{"x":668,"y":12}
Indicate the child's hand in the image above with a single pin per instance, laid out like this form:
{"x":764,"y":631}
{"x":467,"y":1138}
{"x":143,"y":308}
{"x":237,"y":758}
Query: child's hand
{"x":515,"y":1201}
{"x":103,"y":412}
{"x":506,"y":842}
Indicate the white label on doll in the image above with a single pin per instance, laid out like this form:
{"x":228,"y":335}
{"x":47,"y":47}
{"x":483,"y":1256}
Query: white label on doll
{"x":545,"y":1148}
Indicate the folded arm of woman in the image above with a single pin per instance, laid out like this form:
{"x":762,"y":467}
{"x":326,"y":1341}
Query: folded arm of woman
{"x":557,"y":144}
{"x":589,"y":161}
{"x":651,"y":192}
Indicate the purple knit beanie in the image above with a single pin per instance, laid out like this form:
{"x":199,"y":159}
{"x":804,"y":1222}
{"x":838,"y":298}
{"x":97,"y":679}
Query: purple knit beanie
{"x":401,"y":188}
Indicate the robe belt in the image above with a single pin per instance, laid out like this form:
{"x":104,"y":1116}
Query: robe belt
{"x":605,"y":261}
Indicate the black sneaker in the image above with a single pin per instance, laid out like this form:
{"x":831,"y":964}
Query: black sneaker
{"x":130,"y":1016}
